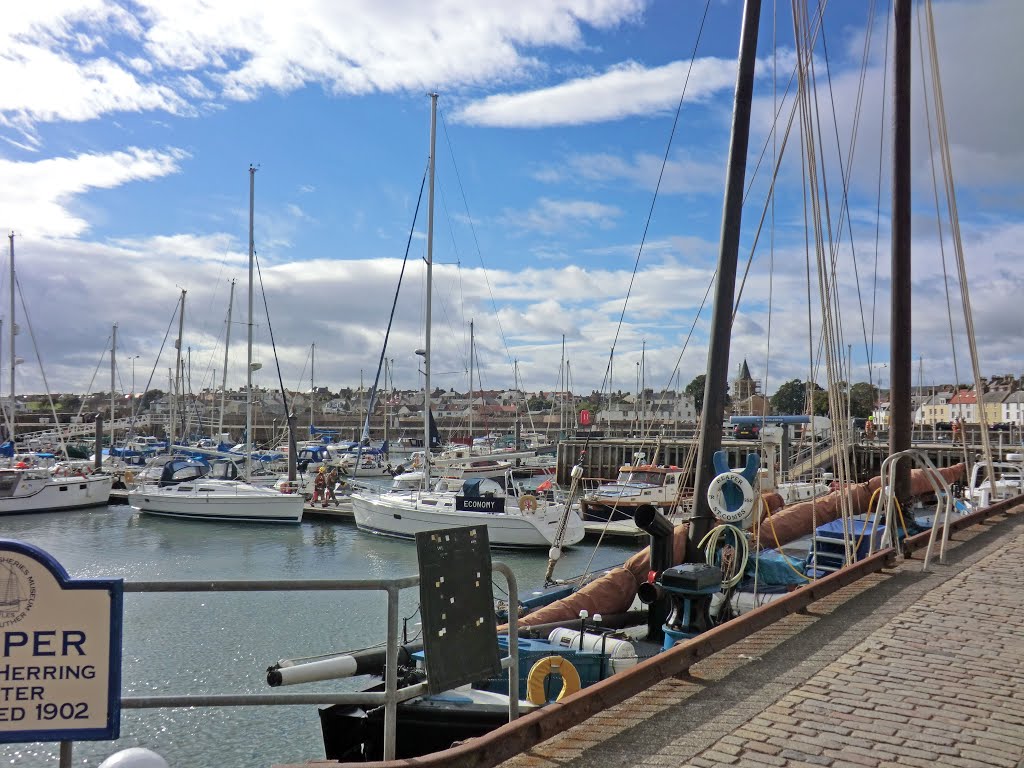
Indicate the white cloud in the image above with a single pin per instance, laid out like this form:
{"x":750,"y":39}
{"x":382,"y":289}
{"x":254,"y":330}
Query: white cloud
{"x":626,"y":90}
{"x":555,"y":215}
{"x":35,"y":197}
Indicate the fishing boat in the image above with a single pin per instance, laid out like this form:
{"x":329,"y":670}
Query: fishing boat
{"x":638,"y":484}
{"x":184,"y":490}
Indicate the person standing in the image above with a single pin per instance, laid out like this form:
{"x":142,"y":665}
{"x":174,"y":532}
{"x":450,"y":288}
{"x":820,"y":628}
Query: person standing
{"x":319,"y":487}
{"x":331,"y":483}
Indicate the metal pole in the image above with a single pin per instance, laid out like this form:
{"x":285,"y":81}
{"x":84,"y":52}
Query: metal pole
{"x":14,"y":331}
{"x":900,"y":416}
{"x":248,"y":355}
{"x":177,"y":374}
{"x":430,"y":290}
{"x":66,"y":754}
{"x":391,"y":678}
{"x":725,"y":288}
{"x":113,"y":371}
{"x":224,"y":375}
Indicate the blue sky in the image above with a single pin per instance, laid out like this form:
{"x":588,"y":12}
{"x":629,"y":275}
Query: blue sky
{"x":126,"y":132}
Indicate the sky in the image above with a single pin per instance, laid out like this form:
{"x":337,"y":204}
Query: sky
{"x":127,"y":130}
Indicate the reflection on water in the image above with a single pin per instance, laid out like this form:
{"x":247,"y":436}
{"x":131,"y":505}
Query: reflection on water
{"x":223,"y":643}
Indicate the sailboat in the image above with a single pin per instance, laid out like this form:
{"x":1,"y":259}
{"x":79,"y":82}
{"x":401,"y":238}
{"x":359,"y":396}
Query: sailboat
{"x":512,"y":518}
{"x":24,"y":488}
{"x":185,"y":491}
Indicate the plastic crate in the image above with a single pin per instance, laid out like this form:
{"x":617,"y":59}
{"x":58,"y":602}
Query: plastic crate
{"x":827,"y":543}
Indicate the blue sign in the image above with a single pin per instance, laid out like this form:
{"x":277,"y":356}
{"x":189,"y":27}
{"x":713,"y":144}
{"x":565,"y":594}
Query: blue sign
{"x":60,"y":650}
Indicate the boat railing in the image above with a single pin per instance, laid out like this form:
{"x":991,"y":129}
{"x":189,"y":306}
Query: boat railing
{"x":390,"y":697}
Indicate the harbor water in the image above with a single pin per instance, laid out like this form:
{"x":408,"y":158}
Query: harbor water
{"x":219,"y":643}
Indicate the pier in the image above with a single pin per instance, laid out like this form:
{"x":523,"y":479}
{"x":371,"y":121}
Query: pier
{"x":894,"y":666}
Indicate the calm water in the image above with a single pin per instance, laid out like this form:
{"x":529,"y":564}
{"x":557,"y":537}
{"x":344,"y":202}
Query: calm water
{"x":223,"y":643}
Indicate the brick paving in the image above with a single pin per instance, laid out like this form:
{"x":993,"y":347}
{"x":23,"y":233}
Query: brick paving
{"x":903,"y":668}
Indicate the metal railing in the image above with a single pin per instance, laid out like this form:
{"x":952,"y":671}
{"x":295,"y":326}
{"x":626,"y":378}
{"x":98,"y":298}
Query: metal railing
{"x":390,"y":698}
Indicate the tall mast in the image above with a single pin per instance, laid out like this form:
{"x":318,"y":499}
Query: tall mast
{"x":14,"y":331}
{"x":224,"y":375}
{"x":471,"y":385}
{"x":900,"y":365}
{"x":113,"y":371}
{"x":430,"y":289}
{"x":561,"y":392}
{"x":176,"y":381}
{"x":312,"y":389}
{"x":248,"y":350}
{"x":717,"y":376}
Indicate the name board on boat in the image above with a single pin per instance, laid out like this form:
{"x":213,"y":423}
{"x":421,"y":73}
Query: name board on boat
{"x":479,"y":504}
{"x":60,"y":650}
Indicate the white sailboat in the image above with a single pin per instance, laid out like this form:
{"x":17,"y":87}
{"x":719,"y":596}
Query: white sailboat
{"x":25,"y":489}
{"x":512,"y":520}
{"x":184,"y":490}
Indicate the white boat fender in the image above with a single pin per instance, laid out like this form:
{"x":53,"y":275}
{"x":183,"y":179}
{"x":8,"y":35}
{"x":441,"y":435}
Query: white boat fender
{"x":621,"y":653}
{"x":310,"y":672}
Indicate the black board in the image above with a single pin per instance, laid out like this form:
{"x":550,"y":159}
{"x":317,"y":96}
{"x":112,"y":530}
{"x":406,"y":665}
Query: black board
{"x":460,"y":634}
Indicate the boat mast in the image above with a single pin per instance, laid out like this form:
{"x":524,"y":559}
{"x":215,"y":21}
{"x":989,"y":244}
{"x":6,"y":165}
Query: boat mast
{"x":900,"y":364}
{"x":14,"y":331}
{"x":312,"y":390}
{"x":113,"y":371}
{"x":471,"y":386}
{"x":717,"y":376}
{"x":176,"y":381}
{"x":248,"y":353}
{"x":430,"y":284}
{"x":224,"y":375}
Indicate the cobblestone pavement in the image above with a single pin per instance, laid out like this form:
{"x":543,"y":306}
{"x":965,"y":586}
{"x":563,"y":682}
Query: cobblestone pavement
{"x":903,"y":668}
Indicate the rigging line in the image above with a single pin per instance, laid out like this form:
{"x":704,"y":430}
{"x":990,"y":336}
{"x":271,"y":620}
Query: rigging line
{"x":476,"y":241}
{"x":778,"y":111}
{"x":156,"y":362}
{"x":657,"y":187}
{"x":878,"y":203}
{"x":954,"y":217}
{"x":42,"y":371}
{"x":371,"y":400}
{"x":938,"y":212}
{"x":845,"y":175}
{"x":277,"y":363}
{"x":95,"y":373}
{"x":818,"y":25}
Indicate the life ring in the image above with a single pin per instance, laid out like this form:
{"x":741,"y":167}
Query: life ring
{"x":539,"y":674}
{"x":287,"y":487}
{"x":716,"y":497}
{"x":129,"y":476}
{"x":528,"y":503}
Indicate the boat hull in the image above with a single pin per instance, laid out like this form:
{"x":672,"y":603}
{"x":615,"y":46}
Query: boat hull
{"x":406,"y":516}
{"x":31,"y":495}
{"x":219,"y":506}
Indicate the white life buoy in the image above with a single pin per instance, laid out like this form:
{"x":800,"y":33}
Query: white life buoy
{"x":716,"y":497}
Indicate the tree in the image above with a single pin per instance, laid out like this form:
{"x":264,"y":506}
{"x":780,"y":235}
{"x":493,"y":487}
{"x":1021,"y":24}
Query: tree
{"x":791,"y":397}
{"x":863,"y":397}
{"x":695,"y":389}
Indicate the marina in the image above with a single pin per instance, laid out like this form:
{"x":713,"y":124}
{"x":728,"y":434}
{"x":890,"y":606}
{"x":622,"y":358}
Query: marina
{"x":502,"y":549}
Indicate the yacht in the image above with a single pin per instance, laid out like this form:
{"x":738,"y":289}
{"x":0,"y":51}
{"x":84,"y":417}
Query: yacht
{"x":185,"y":490}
